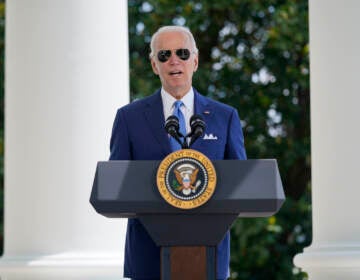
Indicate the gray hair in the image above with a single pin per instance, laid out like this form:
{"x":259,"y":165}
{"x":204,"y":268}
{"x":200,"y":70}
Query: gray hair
{"x":172,"y":28}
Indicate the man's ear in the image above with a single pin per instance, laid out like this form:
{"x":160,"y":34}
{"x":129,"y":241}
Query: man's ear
{"x":196,"y":62}
{"x":154,"y":67}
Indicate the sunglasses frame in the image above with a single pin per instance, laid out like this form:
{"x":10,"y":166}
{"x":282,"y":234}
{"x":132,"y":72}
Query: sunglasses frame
{"x":182,"y":53}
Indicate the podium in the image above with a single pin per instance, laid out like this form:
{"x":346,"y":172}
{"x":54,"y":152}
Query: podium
{"x":245,"y":188}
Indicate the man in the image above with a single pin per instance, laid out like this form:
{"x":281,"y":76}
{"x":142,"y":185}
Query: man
{"x":139,"y":134}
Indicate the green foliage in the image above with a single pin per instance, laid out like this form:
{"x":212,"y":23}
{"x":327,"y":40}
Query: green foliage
{"x":265,"y":246}
{"x":253,"y":56}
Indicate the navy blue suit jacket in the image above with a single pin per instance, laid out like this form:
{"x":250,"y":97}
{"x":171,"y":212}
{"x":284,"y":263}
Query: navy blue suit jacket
{"x":138,"y":134}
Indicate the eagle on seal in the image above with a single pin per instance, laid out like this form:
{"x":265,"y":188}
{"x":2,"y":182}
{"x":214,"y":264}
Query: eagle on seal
{"x":186,"y":175}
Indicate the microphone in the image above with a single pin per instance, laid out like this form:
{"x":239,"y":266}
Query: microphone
{"x":197,"y":125}
{"x":172,"y":128}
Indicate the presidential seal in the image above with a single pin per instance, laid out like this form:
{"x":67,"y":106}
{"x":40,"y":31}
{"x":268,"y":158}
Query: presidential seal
{"x":186,"y":179}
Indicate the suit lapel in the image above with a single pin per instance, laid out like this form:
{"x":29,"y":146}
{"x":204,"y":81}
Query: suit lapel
{"x":154,"y":115}
{"x":200,"y":104}
{"x":202,"y":108}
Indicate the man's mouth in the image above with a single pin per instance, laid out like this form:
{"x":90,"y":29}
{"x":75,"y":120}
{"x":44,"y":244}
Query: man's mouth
{"x":175,"y":73}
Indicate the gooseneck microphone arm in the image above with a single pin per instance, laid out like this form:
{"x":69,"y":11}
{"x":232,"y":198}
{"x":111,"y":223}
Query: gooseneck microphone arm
{"x":197,"y":125}
{"x":172,"y":128}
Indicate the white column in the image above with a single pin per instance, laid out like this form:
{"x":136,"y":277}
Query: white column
{"x":335,"y":106}
{"x":66,"y":73}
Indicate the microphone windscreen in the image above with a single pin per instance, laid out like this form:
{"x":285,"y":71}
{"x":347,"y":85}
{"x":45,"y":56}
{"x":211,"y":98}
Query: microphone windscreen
{"x":172,"y":124}
{"x":197,"y":121}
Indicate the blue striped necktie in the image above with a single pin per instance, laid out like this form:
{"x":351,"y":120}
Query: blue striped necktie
{"x":182,"y":129}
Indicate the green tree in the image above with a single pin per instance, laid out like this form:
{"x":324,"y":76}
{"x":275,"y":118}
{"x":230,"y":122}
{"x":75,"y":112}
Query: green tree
{"x":253,"y":56}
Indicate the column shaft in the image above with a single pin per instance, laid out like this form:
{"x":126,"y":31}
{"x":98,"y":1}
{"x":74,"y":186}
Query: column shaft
{"x":66,"y":73}
{"x":334,"y":55}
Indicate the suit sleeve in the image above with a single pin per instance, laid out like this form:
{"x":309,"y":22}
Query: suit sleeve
{"x":235,"y":148}
{"x":120,"y":147}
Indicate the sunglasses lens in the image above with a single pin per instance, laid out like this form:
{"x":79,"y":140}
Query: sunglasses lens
{"x":183,"y":54}
{"x":164,"y":55}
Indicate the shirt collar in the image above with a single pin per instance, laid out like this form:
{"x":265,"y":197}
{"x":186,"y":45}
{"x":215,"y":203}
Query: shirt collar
{"x":169,"y":100}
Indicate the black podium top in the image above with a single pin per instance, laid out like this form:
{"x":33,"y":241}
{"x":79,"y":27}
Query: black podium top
{"x":245,"y":188}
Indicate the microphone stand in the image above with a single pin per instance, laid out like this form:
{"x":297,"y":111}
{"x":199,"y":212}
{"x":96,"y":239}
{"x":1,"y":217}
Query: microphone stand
{"x":197,"y":130}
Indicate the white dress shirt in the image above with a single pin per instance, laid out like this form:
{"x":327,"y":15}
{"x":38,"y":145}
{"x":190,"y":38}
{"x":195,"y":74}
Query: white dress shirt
{"x":187,"y":109}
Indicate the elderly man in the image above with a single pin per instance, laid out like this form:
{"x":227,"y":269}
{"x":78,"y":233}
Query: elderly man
{"x":139,"y":134}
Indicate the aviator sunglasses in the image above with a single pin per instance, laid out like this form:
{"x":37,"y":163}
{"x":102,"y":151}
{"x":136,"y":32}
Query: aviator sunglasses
{"x":164,"y":55}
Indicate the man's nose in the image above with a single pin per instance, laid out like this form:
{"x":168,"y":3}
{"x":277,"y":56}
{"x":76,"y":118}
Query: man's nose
{"x":174,"y":59}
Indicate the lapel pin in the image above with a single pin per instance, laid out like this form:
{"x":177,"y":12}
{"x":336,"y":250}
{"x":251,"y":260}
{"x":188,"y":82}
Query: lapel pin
{"x":207,"y":112}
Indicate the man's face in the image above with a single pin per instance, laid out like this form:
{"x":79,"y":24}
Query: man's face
{"x":175,"y":74}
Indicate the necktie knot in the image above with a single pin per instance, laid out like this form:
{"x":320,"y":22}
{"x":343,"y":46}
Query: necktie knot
{"x":177,"y":105}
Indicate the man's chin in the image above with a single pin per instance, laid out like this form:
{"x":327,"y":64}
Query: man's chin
{"x":178,"y":91}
